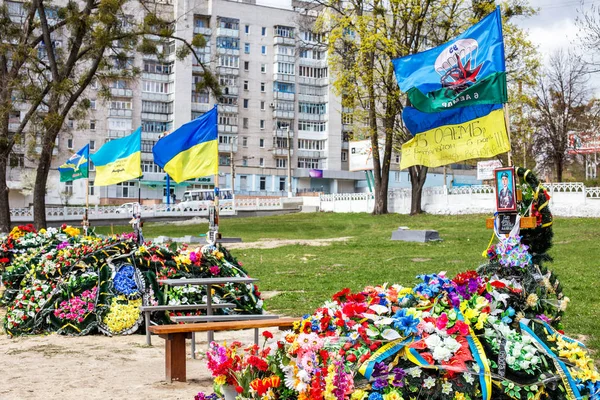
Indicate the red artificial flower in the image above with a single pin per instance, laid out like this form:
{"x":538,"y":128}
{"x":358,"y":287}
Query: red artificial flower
{"x":351,"y":358}
{"x":340,"y":296}
{"x":267,"y":335}
{"x":498,"y":284}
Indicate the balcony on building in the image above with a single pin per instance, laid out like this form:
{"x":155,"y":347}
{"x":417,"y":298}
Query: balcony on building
{"x":310,"y":98}
{"x":230,"y":90}
{"x":305,"y":80}
{"x":228,"y":27}
{"x":228,"y":147}
{"x":117,"y":92}
{"x":313,"y":117}
{"x":283,"y":114}
{"x":283,"y":96}
{"x":222,"y":70}
{"x":311,"y":153}
{"x":284,"y":35}
{"x":202,"y":25}
{"x":310,"y":62}
{"x":281,"y":151}
{"x":164,"y":97}
{"x":284,"y":58}
{"x":157,"y":77}
{"x":114,"y":112}
{"x":227,"y":128}
{"x":282,"y":133}
{"x":284,"y":77}
{"x":201,"y":107}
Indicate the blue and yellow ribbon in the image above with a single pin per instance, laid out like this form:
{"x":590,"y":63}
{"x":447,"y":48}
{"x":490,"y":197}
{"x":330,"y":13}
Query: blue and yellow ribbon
{"x":385,"y":351}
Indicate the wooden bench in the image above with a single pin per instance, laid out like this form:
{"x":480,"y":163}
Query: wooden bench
{"x":175,"y":335}
{"x":149,"y":309}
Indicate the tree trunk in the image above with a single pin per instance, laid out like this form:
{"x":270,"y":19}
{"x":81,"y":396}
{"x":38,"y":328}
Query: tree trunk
{"x":4,"y":202}
{"x":41,"y":177}
{"x":381,"y":196}
{"x":418,"y":174}
{"x":559,"y":171}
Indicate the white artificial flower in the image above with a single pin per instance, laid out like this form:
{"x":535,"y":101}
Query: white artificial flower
{"x":433,"y":341}
{"x":429,"y":382}
{"x":468,"y":378}
{"x":446,"y":387}
{"x":415,"y":372}
{"x":441,"y":353}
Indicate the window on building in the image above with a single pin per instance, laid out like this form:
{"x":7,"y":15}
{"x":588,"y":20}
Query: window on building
{"x":261,"y":143}
{"x":244,"y":141}
{"x":246,"y":65}
{"x":308,"y":163}
{"x":69,"y":143}
{"x":70,"y":122}
{"x":91,"y":188}
{"x":262,"y":105}
{"x":92,"y":145}
{"x":92,"y":166}
{"x":344,"y":156}
{"x":17,"y":160}
{"x":397,"y":176}
{"x":281,"y":183}
{"x":244,"y":161}
{"x":93,"y":125}
{"x":263,"y":183}
{"x":245,"y":123}
{"x":247,"y":48}
{"x":126,"y":190}
{"x":246,"y":85}
{"x":247,"y":29}
{"x":263,"y":68}
{"x":263,"y":31}
{"x":224,"y":160}
{"x":262,"y":124}
{"x":397,"y":158}
{"x":281,"y":163}
{"x":263,"y":50}
{"x":261,"y":162}
{"x":263,"y":87}
{"x":92,"y":104}
{"x":246,"y":102}
{"x":69,"y":188}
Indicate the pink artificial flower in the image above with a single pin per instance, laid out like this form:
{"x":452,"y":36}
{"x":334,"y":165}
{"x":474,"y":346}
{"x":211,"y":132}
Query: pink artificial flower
{"x":214,"y":270}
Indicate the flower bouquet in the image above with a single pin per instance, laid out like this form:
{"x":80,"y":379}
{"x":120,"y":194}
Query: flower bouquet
{"x":75,"y":305}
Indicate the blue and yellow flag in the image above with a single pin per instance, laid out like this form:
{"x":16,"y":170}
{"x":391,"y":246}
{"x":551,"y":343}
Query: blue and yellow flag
{"x":467,"y":70}
{"x":119,"y":160}
{"x":191,"y":151}
{"x":77,"y":166}
{"x":454,"y":135}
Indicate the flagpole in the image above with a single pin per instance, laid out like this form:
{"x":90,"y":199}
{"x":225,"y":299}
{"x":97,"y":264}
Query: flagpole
{"x":86,"y":222}
{"x":507,"y":122}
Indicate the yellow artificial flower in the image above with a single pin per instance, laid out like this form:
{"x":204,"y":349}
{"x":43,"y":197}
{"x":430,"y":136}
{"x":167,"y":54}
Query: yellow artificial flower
{"x":42,"y":231}
{"x":481,"y":320}
{"x":393,"y":395}
{"x":459,"y":396}
{"x":358,"y":394}
{"x":220,"y":380}
{"x":470,"y":313}
{"x":71,"y":231}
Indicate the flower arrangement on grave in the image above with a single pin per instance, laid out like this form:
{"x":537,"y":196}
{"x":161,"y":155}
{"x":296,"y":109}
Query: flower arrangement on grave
{"x":83,"y":284}
{"x":490,"y":333}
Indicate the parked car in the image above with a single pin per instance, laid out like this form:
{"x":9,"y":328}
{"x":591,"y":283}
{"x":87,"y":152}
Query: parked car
{"x":127,"y":208}
{"x":194,"y":200}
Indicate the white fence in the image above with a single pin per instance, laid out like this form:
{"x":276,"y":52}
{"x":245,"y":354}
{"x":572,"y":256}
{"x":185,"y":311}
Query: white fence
{"x":566,"y":199}
{"x":67,"y":214}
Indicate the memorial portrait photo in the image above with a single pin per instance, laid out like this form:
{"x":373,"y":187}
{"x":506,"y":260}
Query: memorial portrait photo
{"x":505,"y":189}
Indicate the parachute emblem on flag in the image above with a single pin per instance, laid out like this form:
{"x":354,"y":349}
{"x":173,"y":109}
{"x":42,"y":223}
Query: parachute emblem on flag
{"x":456,"y":65}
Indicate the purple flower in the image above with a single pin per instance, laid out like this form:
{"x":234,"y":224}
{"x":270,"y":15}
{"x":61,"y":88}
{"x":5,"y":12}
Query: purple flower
{"x":399,"y":375}
{"x":62,"y":245}
{"x":543,"y":317}
{"x":214,"y":270}
{"x":379,"y":369}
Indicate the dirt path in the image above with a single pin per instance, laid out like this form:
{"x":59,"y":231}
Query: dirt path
{"x":273,"y":243}
{"x":98,"y":367}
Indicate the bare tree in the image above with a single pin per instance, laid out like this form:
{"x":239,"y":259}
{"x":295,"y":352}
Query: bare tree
{"x":49,"y":55}
{"x":563,"y":104}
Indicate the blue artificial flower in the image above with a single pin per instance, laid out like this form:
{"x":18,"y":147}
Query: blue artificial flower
{"x":408,"y":325}
{"x":379,"y":384}
{"x":506,"y":320}
{"x":510,"y":311}
{"x":375,"y":396}
{"x":123,"y":281}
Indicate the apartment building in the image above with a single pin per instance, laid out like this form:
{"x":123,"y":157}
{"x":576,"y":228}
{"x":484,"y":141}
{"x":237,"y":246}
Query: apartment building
{"x":275,"y":83}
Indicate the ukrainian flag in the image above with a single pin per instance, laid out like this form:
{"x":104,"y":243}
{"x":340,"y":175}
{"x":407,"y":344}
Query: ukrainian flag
{"x":119,"y":160}
{"x":191,"y":151}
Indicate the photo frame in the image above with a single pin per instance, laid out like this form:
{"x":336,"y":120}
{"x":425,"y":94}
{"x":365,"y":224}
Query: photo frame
{"x":506,"y":197}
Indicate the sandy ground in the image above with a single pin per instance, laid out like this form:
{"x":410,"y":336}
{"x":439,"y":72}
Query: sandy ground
{"x":99,"y":367}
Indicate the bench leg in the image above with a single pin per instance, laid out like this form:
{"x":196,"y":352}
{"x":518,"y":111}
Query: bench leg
{"x":255,"y":335}
{"x":194,"y":345}
{"x":148,"y":334}
{"x":175,"y":357}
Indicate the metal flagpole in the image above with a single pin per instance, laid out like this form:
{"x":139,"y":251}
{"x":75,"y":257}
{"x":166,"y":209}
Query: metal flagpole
{"x":507,"y":122}
{"x":86,"y":223}
{"x":168,"y":193}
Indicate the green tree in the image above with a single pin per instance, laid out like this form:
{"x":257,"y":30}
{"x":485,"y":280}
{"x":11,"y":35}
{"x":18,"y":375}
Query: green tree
{"x":365,"y":35}
{"x":97,"y":40}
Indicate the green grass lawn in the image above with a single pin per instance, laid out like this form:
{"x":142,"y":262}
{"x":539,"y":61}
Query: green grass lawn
{"x":306,"y":276}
